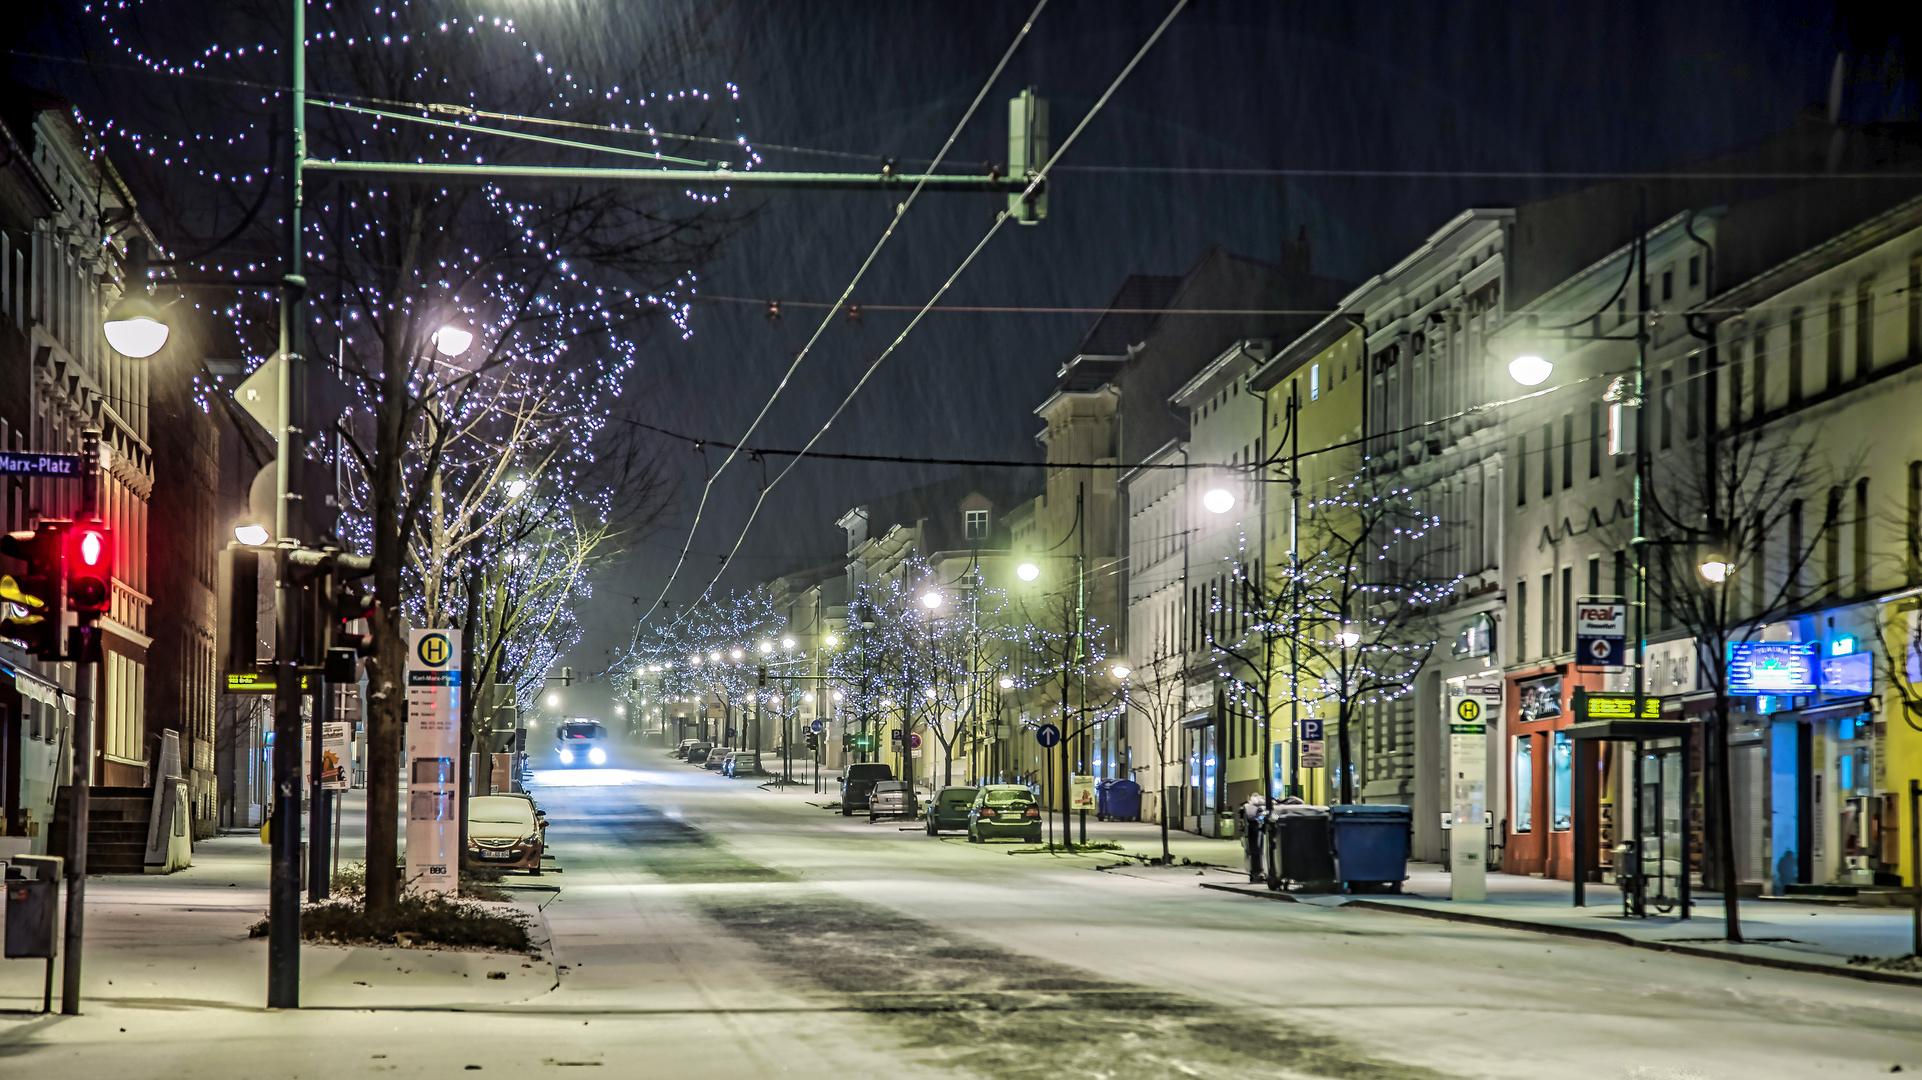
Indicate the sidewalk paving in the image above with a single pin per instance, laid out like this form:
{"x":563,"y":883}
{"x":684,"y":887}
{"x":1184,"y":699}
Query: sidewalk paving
{"x":1801,"y":936}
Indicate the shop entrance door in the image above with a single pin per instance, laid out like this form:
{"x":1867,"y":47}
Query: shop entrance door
{"x":1661,"y":811}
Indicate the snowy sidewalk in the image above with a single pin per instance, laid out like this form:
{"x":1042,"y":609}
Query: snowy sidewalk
{"x":1776,"y":933}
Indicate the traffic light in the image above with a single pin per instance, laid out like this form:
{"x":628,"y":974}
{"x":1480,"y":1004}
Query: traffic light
{"x":237,"y":635}
{"x":347,"y":600}
{"x":32,"y":601}
{"x":89,"y":568}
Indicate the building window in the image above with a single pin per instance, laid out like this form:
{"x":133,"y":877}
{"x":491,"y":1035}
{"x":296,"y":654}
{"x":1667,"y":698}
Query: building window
{"x":1548,"y":463}
{"x":1760,"y":351}
{"x":1795,"y":356}
{"x":1692,"y":423}
{"x":1548,"y":614}
{"x":1694,"y":271}
{"x":1521,"y":619}
{"x":1594,"y":575}
{"x":1524,"y":773}
{"x":1864,"y":327}
{"x":1561,"y":782}
{"x":1667,"y":406}
{"x":1521,"y":469}
{"x":1595,"y":437}
{"x":1862,"y":537}
{"x":1835,"y":342}
{"x":1568,"y":609}
{"x":1832,"y":544}
{"x":1668,"y":283}
{"x":1568,"y":449}
{"x":1735,"y":385}
{"x":1314,"y":382}
{"x":975,"y":525}
{"x":1912,"y":531}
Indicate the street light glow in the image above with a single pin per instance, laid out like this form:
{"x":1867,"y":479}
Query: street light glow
{"x":1027,"y":571}
{"x":553,"y":700}
{"x":451,"y":340}
{"x":831,"y":641}
{"x":252,"y":535}
{"x":930,"y":600}
{"x":1219,"y":501}
{"x":1348,"y":639}
{"x":1121,"y":671}
{"x":1530,"y":370}
{"x":765,"y":647}
{"x":736,"y":654}
{"x":516,"y":488}
{"x":787,"y":644}
{"x":1716,"y":569}
{"x":135,"y":329}
{"x":1007,"y":683}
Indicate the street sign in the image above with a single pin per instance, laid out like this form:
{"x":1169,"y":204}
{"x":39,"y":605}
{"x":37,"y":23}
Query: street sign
{"x":260,"y":682}
{"x":914,"y":741}
{"x":30,"y":464}
{"x":1313,"y":754}
{"x":1048,"y":736}
{"x":1601,"y":631}
{"x":1594,"y":706}
{"x":1080,"y":792}
{"x":818,"y":726}
{"x":433,"y":749}
{"x":1311,"y":729}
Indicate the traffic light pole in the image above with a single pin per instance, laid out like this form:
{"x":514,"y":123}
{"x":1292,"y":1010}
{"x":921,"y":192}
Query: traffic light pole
{"x":283,"y":907}
{"x":82,"y":782}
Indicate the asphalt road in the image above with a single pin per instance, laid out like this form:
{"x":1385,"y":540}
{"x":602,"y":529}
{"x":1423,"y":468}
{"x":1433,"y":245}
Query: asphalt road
{"x":707,"y":927}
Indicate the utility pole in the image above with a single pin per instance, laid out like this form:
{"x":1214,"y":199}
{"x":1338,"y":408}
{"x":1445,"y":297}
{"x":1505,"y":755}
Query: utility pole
{"x":86,"y":644}
{"x":283,"y":906}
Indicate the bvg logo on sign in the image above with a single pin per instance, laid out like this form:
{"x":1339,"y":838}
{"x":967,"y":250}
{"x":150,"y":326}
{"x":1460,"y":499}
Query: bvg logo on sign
{"x":434,"y":651}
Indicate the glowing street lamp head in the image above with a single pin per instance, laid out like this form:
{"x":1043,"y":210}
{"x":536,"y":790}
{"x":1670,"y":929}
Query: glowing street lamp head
{"x":516,"y":488}
{"x":694,"y":661}
{"x":1218,"y":501}
{"x":135,"y":327}
{"x":553,"y":701}
{"x":737,"y":654}
{"x":1027,"y":571}
{"x":837,"y":695}
{"x":1715,"y":568}
{"x":765,"y":647}
{"x":831,"y":641}
{"x":1348,"y":639}
{"x":715,"y":656}
{"x":1007,"y":682}
{"x":930,"y":599}
{"x":451,"y":340}
{"x":1530,"y":370}
{"x":787,"y":644}
{"x":252,"y":535}
{"x":1121,"y":671}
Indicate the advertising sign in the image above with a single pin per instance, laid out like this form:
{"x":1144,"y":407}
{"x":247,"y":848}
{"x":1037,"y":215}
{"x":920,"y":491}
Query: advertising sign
{"x":1772,"y":667}
{"x":433,"y":748}
{"x":1601,"y":631}
{"x":1080,"y":792}
{"x":1853,"y":673}
{"x":1593,"y":706}
{"x":337,"y":755}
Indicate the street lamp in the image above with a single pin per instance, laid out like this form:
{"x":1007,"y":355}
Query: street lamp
{"x":1027,"y":571}
{"x":135,"y":328}
{"x":787,"y":644}
{"x":831,"y":641}
{"x":1121,"y":671}
{"x":1530,"y":369}
{"x":1348,"y":639}
{"x":252,"y":535}
{"x":553,"y":701}
{"x":765,"y":647}
{"x":736,"y":655}
{"x":1715,"y":568}
{"x":451,"y":340}
{"x":1007,"y":682}
{"x":930,"y":599}
{"x":1219,"y":501}
{"x":516,"y":488}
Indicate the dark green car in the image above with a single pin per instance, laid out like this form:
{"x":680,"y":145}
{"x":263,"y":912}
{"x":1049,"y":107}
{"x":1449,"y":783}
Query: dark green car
{"x":1004,"y":811}
{"x":949,"y":809}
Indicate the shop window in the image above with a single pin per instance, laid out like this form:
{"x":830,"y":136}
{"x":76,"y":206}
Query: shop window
{"x":1523,"y":771}
{"x":1561,"y":782}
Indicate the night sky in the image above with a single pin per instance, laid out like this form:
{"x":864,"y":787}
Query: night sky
{"x":1449,"y":87}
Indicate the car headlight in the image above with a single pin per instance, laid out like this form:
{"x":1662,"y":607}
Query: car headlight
{"x":597,"y":756}
{"x":567,"y":756}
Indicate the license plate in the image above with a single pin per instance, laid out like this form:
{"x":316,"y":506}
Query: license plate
{"x":497,"y":854}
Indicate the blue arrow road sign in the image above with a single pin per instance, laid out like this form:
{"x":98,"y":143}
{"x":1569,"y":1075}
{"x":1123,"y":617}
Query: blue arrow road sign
{"x":1047,"y":735}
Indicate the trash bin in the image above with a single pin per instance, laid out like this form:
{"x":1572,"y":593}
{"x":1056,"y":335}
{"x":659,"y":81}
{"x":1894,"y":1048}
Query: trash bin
{"x":1299,"y":847}
{"x":1371,"y":846}
{"x":1101,"y":799}
{"x":1121,"y":800}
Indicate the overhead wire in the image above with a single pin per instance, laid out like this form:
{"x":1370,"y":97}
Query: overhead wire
{"x":1001,"y":219}
{"x":900,"y":212}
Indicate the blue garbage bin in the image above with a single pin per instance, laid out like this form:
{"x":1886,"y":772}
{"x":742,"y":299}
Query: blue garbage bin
{"x":1122,"y":801}
{"x":1371,"y":846}
{"x":1101,"y":799}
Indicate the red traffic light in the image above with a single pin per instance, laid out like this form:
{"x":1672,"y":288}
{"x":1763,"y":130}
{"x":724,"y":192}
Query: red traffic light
{"x":89,"y":568}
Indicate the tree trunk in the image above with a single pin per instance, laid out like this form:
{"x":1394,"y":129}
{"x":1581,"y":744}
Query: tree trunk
{"x":1725,"y":830}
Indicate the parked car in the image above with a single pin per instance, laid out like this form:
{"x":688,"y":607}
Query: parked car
{"x":506,"y":831}
{"x":681,"y":750}
{"x":1004,"y":810}
{"x":949,"y":808}
{"x":697,"y":754}
{"x":717,"y":757}
{"x":738,"y":763}
{"x":857,"y":784}
{"x":892,"y":798}
{"x":580,"y":742}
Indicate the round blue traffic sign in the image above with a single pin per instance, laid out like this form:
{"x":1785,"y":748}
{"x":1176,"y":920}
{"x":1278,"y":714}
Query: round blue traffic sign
{"x":1047,"y":735}
{"x":818,"y":726}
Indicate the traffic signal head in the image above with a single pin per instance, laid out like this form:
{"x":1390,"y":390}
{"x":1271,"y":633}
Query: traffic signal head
{"x":89,"y":568}
{"x":31,"y":607}
{"x":349,"y":600}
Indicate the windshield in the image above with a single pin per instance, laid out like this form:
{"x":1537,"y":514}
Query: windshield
{"x":870,"y":772}
{"x":500,"y":810}
{"x":1008,"y":796}
{"x":581,"y":729}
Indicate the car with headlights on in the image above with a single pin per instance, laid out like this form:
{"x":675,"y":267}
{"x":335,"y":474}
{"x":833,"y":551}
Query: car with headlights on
{"x":580,"y":742}
{"x":1003,"y":811}
{"x":506,"y":831}
{"x":892,"y":798}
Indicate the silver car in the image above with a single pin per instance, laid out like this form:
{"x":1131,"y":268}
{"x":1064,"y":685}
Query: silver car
{"x":893,"y":798}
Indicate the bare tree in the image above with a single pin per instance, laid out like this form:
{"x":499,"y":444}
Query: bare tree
{"x":1159,"y":692}
{"x":1740,"y":518}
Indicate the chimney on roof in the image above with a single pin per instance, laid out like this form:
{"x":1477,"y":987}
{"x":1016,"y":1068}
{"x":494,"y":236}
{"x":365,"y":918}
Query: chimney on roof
{"x":1297,"y":256}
